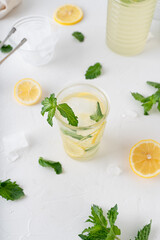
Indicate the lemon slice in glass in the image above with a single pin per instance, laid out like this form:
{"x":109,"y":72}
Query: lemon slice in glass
{"x":73,"y":149}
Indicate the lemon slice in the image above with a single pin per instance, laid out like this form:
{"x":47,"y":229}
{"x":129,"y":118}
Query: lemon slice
{"x":27,"y":91}
{"x":68,"y":15}
{"x":145,"y":158}
{"x":73,"y":149}
{"x":99,"y":134}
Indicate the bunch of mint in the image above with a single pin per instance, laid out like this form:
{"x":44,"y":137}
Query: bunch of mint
{"x":105,"y":229}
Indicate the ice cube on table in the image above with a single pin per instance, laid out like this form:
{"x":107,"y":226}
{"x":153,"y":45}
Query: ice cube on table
{"x":130,"y":114}
{"x":113,"y":170}
{"x":14,"y":142}
{"x":13,"y":156}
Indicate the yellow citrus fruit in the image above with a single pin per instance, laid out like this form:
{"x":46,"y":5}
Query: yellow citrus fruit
{"x":98,"y":135}
{"x":68,"y":14}
{"x":145,"y":158}
{"x":27,"y":91}
{"x":73,"y":149}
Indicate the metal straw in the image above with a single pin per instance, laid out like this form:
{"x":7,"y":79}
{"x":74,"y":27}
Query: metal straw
{"x":9,"y":34}
{"x":18,"y":46}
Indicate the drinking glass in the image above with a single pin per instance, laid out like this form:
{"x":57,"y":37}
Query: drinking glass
{"x":41,"y":34}
{"x":82,"y":142}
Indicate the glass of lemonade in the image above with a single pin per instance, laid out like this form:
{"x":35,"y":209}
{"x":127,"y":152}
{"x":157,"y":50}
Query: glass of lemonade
{"x":128,"y":24}
{"x":82,"y":142}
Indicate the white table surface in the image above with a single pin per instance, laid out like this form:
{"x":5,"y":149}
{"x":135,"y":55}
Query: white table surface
{"x":56,"y":206}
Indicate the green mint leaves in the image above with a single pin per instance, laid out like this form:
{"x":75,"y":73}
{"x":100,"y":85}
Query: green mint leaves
{"x":68,"y":113}
{"x":73,"y":134}
{"x":148,"y":102}
{"x":6,"y":48}
{"x":93,"y":71}
{"x":55,"y":165}
{"x":79,"y":36}
{"x":105,"y":229}
{"x":98,"y":115}
{"x":154,"y":84}
{"x":10,"y":190}
{"x":144,"y":233}
{"x":50,"y":106}
{"x":102,"y":228}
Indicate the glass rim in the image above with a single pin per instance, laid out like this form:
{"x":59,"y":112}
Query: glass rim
{"x":94,"y":124}
{"x":21,"y":20}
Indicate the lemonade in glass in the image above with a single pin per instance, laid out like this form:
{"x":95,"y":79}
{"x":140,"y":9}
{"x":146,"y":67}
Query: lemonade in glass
{"x":91,"y":106}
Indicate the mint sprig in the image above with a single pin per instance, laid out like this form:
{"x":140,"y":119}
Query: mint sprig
{"x":97,"y":116}
{"x":104,"y":228}
{"x":50,"y":106}
{"x":10,"y":190}
{"x":79,"y":36}
{"x":93,"y":71}
{"x":47,"y":163}
{"x":148,"y":102}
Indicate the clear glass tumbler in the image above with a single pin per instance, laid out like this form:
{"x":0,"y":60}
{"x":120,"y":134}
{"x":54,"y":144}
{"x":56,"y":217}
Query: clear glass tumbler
{"x":128,"y":24}
{"x":41,"y":34}
{"x":82,"y":142}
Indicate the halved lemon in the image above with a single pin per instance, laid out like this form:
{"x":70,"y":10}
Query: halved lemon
{"x":145,"y":158}
{"x":73,"y":149}
{"x":27,"y":91}
{"x":68,"y":14}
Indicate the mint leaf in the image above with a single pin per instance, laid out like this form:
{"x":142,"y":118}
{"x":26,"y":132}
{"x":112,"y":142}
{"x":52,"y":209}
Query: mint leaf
{"x":49,"y":105}
{"x":147,"y":107}
{"x":98,"y":115}
{"x":73,"y":134}
{"x":116,"y":230}
{"x":154,"y":84}
{"x":93,"y":71}
{"x":68,"y":113}
{"x":111,"y":235}
{"x":97,"y":216}
{"x":6,"y":48}
{"x":144,"y":233}
{"x":79,"y":36}
{"x":55,"y":165}
{"x":112,"y":215}
{"x":138,"y":96}
{"x":10,"y":190}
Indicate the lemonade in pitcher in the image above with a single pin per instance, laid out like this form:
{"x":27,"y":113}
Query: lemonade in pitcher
{"x":128,"y":24}
{"x":91,"y":107}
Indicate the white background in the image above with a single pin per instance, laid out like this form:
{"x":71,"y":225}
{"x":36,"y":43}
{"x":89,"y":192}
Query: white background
{"x":56,"y":206}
